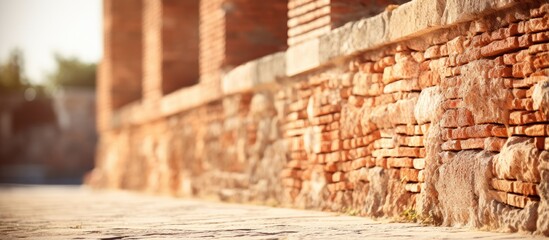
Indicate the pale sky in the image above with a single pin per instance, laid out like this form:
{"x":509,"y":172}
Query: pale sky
{"x":42,"y":27}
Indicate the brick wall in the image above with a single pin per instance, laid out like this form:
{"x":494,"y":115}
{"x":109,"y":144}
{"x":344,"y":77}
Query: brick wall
{"x":254,"y":29}
{"x":443,"y":115}
{"x":212,"y":40}
{"x":180,"y":44}
{"x":152,"y":50}
{"x":312,"y":18}
{"x":236,"y":31}
{"x":123,"y":50}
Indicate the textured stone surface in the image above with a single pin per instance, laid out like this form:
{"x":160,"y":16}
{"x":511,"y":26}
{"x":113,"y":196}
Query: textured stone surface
{"x":540,"y":97}
{"x":84,"y":214}
{"x":259,"y":72}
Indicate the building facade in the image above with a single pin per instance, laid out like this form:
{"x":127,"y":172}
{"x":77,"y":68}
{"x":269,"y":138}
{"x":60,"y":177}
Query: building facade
{"x":376,"y":107}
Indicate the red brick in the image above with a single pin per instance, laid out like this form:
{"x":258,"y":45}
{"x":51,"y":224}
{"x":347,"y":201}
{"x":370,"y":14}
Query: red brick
{"x":330,"y":167}
{"x":480,"y":40}
{"x":518,"y":200}
{"x":502,"y":185}
{"x":510,"y":58}
{"x":451,"y":145}
{"x":499,"y":196}
{"x":500,"y":71}
{"x":464,"y":117}
{"x":339,"y":177}
{"x":500,"y":47}
{"x":384,"y":143}
{"x":494,"y":144}
{"x":381,"y":162}
{"x":472,"y":143}
{"x":538,"y":24}
{"x":523,"y":69}
{"x":525,"y":188}
{"x":411,"y":141}
{"x":541,"y":60}
{"x":299,"y":155}
{"x":409,"y":175}
{"x":536,"y":130}
{"x":540,"y":37}
{"x":432,"y":52}
{"x":399,"y":162}
{"x":542,"y":47}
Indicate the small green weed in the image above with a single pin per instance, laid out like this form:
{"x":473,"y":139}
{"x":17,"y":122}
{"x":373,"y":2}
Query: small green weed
{"x":409,"y":215}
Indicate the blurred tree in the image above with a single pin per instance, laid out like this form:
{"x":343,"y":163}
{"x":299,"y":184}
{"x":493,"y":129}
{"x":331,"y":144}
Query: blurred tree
{"x":72,"y":72}
{"x":12,"y":77}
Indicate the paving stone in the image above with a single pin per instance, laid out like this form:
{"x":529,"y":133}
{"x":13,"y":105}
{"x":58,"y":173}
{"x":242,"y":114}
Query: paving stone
{"x":71,"y":212}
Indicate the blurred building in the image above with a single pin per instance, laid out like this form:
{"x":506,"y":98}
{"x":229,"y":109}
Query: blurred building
{"x":430,"y":109}
{"x":47,"y":139}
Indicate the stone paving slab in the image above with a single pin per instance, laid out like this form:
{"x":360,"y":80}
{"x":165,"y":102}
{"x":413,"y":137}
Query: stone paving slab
{"x":63,"y":212}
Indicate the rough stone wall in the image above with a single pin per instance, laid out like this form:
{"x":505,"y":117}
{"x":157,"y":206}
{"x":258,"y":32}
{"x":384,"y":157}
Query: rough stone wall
{"x":451,"y":124}
{"x":447,"y":124}
{"x":229,"y":149}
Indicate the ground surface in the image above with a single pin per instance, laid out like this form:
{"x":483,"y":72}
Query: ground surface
{"x":77,"y":213}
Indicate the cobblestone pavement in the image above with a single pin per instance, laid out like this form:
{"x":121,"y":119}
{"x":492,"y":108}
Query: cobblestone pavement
{"x":60,"y":212}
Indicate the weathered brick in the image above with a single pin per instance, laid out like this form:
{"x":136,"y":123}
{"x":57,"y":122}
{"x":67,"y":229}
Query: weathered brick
{"x":412,"y":141}
{"x":449,"y":118}
{"x":432,"y":52}
{"x":451,"y":145}
{"x":472,"y":143}
{"x":518,"y":200}
{"x":499,"y":196}
{"x":536,"y":130}
{"x":500,"y":47}
{"x":401,"y":86}
{"x":421,"y":176}
{"x":525,"y":188}
{"x":541,"y":60}
{"x":500,"y":71}
{"x":502,"y":185}
{"x":540,"y":37}
{"x":419,"y":163}
{"x":338,"y":177}
{"x":399,"y":162}
{"x":455,"y":46}
{"x":537,"y":48}
{"x":384,"y":143}
{"x":538,"y":24}
{"x":494,"y":144}
{"x":522,"y":69}
{"x":413,"y":187}
{"x":409,"y":174}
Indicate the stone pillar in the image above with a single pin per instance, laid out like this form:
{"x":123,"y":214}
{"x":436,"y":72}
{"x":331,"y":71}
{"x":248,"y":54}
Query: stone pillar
{"x":152,"y":51}
{"x":179,"y":44}
{"x":233,"y":32}
{"x":120,"y":71}
{"x":212,"y":40}
{"x":170,"y":46}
